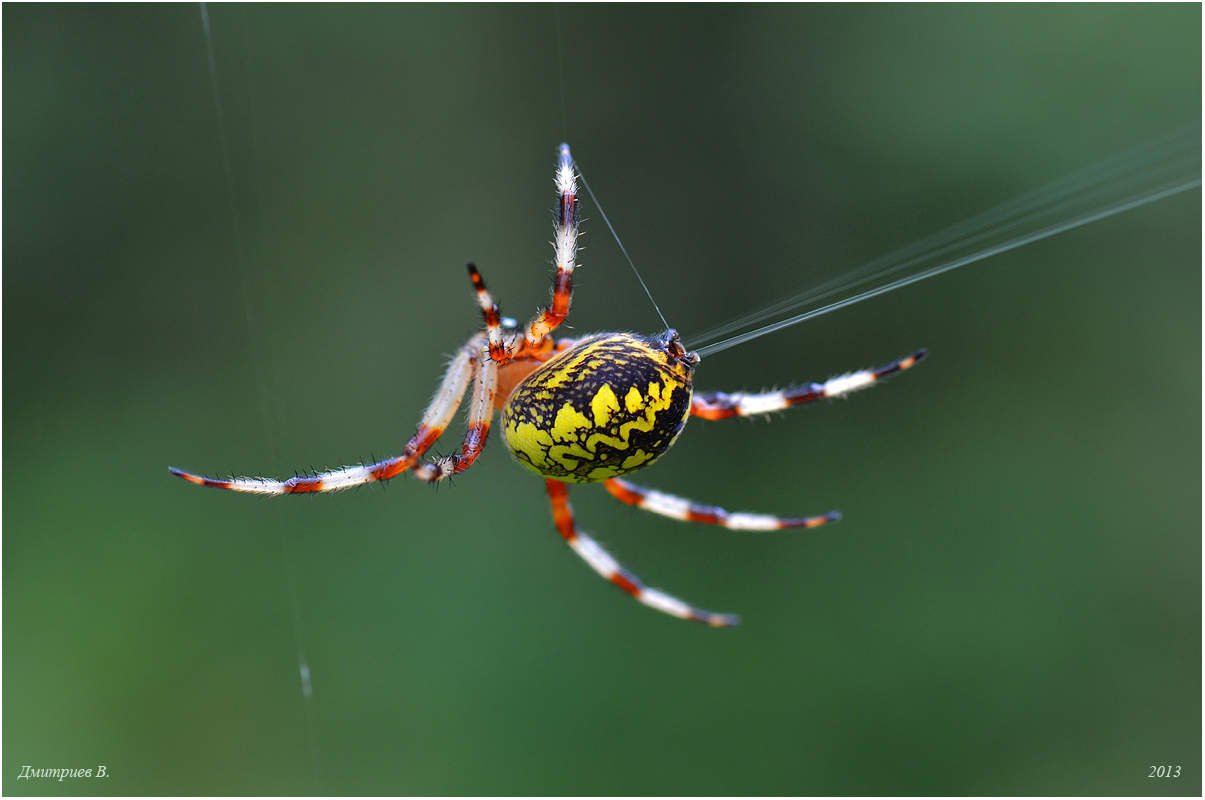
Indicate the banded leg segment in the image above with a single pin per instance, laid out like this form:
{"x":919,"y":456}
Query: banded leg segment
{"x":602,"y":563}
{"x":493,"y":317}
{"x":721,"y":405}
{"x":436,"y":419}
{"x":481,"y":411}
{"x":667,"y":505}
{"x":565,"y":245}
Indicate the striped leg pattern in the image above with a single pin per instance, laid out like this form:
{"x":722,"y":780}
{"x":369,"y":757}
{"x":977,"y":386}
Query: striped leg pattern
{"x":481,"y":411}
{"x":491,"y":314}
{"x":602,"y":563}
{"x":479,"y":359}
{"x":565,"y":245}
{"x":667,"y":505}
{"x":436,"y":419}
{"x":721,"y":405}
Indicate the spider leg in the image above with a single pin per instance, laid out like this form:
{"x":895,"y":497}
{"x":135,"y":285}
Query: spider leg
{"x":481,"y":411}
{"x":721,"y":405}
{"x":566,"y":252}
{"x":493,"y":318}
{"x":667,"y":505}
{"x":602,"y":563}
{"x":439,"y":413}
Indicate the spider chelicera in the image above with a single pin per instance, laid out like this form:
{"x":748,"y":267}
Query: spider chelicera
{"x":577,"y":411}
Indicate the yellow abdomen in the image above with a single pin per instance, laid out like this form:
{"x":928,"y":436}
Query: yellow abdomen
{"x":609,"y":405}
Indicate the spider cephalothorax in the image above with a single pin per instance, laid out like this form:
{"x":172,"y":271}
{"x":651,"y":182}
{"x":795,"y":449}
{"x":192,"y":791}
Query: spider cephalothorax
{"x":577,"y":411}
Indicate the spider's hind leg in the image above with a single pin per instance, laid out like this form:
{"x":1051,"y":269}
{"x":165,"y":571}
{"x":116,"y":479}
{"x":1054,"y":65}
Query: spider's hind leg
{"x":721,"y":405}
{"x":602,"y":563}
{"x":667,"y":505}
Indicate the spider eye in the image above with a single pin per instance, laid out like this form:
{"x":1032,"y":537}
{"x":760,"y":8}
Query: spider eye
{"x":509,"y":322}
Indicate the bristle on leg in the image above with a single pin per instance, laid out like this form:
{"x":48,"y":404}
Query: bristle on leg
{"x":605,"y":565}
{"x":722,"y":405}
{"x":565,"y":246}
{"x":667,"y":505}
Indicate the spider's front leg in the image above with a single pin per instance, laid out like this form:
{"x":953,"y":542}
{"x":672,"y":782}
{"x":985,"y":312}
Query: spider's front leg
{"x":565,"y":245}
{"x":491,"y":315}
{"x":721,"y":405}
{"x":506,"y":362}
{"x":481,"y":411}
{"x":602,"y":563}
{"x":439,"y":413}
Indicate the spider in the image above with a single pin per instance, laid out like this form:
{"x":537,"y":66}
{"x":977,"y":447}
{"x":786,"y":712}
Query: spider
{"x":577,"y":411}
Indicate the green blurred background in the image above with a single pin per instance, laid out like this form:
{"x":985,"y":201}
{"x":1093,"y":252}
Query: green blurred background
{"x":1012,"y":603}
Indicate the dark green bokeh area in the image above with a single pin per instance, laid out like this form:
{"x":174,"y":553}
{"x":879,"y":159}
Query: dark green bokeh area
{"x":1010,"y":605}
